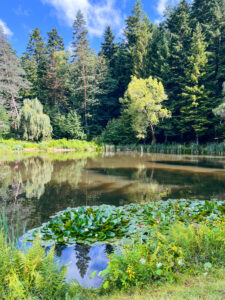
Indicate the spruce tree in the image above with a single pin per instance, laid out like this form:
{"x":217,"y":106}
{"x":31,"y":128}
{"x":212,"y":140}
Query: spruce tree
{"x":138,"y":35}
{"x":55,"y":41}
{"x":34,"y":62}
{"x":178,"y":26}
{"x":109,"y":47}
{"x":196,"y":110}
{"x":80,"y":48}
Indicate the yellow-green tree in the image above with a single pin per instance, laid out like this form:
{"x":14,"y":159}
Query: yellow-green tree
{"x":143,"y":102}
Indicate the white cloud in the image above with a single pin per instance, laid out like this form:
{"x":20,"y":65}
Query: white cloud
{"x":5,"y":28}
{"x":161,"y":6}
{"x":98,"y":15}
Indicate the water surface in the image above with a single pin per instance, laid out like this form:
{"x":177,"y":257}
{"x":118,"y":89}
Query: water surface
{"x":40,"y":185}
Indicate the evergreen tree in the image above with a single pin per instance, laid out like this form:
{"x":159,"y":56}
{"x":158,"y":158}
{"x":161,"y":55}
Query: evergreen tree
{"x":55,"y":41}
{"x":178,"y":26}
{"x":138,"y":35}
{"x":195,"y":114}
{"x":12,"y":77}
{"x":34,"y":62}
{"x":109,"y":47}
{"x":80,"y":48}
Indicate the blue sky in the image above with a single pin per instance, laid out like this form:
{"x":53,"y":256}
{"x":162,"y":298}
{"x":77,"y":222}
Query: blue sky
{"x":20,"y":17}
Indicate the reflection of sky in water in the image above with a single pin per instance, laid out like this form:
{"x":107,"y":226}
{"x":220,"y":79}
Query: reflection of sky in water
{"x":81,"y":262}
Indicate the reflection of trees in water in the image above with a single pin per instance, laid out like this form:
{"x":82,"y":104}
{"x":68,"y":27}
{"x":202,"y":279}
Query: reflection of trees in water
{"x":83,"y":258}
{"x":146,"y":188}
{"x":68,"y":171}
{"x":35,"y":175}
{"x":5,"y":180}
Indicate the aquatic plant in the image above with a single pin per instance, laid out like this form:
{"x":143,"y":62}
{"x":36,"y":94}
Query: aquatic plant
{"x":100,"y":224}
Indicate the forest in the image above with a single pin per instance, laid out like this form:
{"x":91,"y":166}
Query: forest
{"x":158,"y":82}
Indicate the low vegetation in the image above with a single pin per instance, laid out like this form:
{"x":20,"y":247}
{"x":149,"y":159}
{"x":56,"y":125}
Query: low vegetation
{"x":50,"y":145}
{"x":193,"y":149}
{"x":97,"y":224}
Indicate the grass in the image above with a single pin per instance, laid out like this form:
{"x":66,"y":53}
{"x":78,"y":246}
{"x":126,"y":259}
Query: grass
{"x":12,"y":145}
{"x":194,"y":149}
{"x":210,"y":287}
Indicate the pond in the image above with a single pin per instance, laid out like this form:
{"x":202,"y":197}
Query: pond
{"x":39,"y":185}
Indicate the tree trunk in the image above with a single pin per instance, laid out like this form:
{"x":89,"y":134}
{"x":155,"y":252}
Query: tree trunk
{"x":85,"y":93}
{"x":153,"y":135}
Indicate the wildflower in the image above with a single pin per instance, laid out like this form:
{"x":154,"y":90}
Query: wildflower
{"x":143,"y":261}
{"x":160,"y":244}
{"x":180,"y":262}
{"x":205,"y":274}
{"x":99,"y":273}
{"x":174,"y":248}
{"x":159,"y":265}
{"x":96,"y":235}
{"x":76,"y":210}
{"x":86,"y":229}
{"x":116,"y":244}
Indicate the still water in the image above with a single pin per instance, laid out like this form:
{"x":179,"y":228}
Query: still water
{"x":40,"y":185}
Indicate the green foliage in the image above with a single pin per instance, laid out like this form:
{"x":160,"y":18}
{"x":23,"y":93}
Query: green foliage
{"x":30,"y":274}
{"x":119,"y":131}
{"x":162,"y":256}
{"x":33,"y":123}
{"x":4,"y":121}
{"x":97,"y":224}
{"x":68,"y":126}
{"x":143,"y":102}
{"x":51,"y":145}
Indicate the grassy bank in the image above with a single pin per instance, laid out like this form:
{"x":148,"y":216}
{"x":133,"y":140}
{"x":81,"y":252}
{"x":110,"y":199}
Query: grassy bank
{"x":12,"y":145}
{"x":193,"y":149}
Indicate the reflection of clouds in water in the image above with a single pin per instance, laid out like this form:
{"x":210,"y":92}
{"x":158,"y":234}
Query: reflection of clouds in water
{"x":96,"y":261}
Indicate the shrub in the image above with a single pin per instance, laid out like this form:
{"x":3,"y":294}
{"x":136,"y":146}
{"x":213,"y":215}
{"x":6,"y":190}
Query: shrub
{"x":183,"y":248}
{"x":4,"y":121}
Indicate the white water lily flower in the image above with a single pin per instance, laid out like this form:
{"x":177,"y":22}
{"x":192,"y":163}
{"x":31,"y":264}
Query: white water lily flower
{"x":180,"y":262}
{"x":143,"y":261}
{"x":159,"y":265}
{"x":86,"y":229}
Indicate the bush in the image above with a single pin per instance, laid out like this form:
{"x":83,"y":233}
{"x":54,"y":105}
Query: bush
{"x":193,"y":248}
{"x":67,"y":126}
{"x":4,"y":121}
{"x":118,"y":131}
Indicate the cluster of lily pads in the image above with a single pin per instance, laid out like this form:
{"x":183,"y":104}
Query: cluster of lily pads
{"x":105,"y":223}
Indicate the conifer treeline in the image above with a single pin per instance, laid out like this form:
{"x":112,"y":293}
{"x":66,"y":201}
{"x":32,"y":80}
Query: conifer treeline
{"x":186,"y":52}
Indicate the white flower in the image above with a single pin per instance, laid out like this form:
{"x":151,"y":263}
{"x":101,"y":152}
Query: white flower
{"x":77,"y":210}
{"x":96,"y":235}
{"x":99,"y":273}
{"x":86,"y":229}
{"x":180,"y":262}
{"x":205,"y":274}
{"x":159,"y":265}
{"x":143,"y":261}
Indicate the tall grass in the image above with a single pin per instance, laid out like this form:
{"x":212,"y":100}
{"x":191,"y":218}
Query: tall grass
{"x":193,"y":149}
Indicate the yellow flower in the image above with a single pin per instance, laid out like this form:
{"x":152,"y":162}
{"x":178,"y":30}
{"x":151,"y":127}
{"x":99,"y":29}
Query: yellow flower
{"x":160,"y":244}
{"x":130,"y":272}
{"x":116,"y":244}
{"x":174,"y":248}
